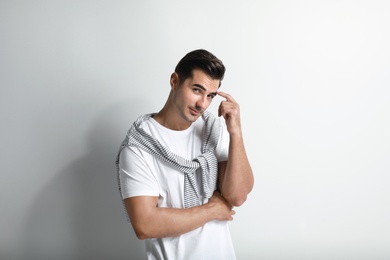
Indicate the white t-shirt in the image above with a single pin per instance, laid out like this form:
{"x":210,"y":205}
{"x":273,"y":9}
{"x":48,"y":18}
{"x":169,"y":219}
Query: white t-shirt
{"x":141,"y":174}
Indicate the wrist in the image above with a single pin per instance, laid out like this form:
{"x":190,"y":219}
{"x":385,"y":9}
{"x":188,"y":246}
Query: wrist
{"x":235,"y":134}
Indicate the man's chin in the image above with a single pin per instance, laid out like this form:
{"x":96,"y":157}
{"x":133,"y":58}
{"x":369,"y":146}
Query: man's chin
{"x":192,"y":118}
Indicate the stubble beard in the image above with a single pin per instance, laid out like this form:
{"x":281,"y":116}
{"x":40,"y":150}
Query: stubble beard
{"x":188,"y":116}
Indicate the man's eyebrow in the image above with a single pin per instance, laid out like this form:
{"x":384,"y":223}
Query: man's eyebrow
{"x":200,"y":86}
{"x":204,"y":89}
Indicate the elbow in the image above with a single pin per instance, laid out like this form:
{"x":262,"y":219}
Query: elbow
{"x":140,"y":235}
{"x":237,"y":198}
{"x":142,"y":232}
{"x":236,"y":201}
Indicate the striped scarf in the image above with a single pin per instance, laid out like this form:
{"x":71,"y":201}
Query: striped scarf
{"x":207,"y":161}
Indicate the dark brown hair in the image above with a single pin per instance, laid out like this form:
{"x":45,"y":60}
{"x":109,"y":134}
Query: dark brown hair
{"x":203,"y":60}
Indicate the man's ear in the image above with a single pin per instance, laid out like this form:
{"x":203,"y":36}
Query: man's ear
{"x":174,"y":80}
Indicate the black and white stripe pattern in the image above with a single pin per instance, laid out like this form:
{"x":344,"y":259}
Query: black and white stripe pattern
{"x":207,"y":161}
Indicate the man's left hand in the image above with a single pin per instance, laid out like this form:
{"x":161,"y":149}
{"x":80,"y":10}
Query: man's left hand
{"x":230,"y":110}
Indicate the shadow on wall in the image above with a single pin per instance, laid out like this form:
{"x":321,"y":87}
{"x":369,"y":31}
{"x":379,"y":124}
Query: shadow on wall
{"x":79,"y":214}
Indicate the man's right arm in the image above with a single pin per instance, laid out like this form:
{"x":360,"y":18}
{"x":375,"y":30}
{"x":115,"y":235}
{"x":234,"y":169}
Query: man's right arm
{"x":150,"y":221}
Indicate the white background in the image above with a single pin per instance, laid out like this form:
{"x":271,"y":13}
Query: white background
{"x":312,"y":78}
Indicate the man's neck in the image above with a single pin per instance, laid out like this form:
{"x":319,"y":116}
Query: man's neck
{"x":171,"y":120}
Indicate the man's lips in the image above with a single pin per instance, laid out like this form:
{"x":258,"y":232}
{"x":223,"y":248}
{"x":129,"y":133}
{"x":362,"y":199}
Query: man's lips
{"x":195,"y":111}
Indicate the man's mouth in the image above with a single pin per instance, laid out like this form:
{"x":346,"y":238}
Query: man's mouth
{"x":195,"y":111}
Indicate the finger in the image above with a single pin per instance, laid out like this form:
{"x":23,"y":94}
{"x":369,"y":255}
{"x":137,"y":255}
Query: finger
{"x":221,"y":110}
{"x":226,"y":95}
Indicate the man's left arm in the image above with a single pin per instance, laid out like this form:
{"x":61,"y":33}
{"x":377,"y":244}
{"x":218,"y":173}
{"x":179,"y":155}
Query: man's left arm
{"x":235,"y":175}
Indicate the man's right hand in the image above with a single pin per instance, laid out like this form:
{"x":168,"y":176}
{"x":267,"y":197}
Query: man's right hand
{"x":221,"y":208}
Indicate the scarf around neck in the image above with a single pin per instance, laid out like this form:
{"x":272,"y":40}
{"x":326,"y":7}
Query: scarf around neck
{"x":207,"y":161}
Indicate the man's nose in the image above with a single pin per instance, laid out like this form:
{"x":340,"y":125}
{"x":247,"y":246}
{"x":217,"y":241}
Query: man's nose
{"x":201,"y":103}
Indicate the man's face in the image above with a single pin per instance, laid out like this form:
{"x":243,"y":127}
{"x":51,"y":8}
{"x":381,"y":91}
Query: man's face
{"x":193,"y":96}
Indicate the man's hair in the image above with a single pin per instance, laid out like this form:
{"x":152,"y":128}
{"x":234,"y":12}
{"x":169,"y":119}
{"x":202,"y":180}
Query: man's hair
{"x":203,"y":60}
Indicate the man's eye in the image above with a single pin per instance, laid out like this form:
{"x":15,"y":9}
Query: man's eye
{"x":196,"y":90}
{"x":211,"y":96}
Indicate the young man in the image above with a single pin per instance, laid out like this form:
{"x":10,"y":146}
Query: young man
{"x":181,"y":170}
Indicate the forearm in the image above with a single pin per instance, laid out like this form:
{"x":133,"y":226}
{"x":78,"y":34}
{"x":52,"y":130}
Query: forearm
{"x":237,"y":181}
{"x":171,"y":222}
{"x":235,"y":177}
{"x":150,"y":221}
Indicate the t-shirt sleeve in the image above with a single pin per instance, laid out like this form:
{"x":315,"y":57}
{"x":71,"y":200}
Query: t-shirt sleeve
{"x":222,"y":150}
{"x":135,"y":176}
